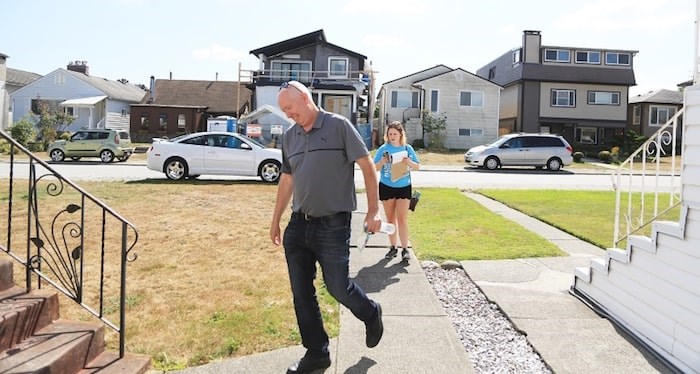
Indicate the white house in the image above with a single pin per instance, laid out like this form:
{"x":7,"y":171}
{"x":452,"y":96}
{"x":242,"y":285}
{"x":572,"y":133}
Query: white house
{"x":94,"y":102}
{"x":469,"y":104}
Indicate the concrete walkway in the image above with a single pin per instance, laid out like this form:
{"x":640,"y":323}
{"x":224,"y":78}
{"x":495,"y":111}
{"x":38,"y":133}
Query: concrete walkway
{"x":420,"y":338}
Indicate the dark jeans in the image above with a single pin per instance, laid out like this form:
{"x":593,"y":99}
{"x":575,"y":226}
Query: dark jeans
{"x":326,"y":241}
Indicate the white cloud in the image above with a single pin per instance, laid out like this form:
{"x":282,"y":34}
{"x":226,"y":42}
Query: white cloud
{"x":216,"y":52}
{"x":389,"y":7}
{"x":626,"y":15}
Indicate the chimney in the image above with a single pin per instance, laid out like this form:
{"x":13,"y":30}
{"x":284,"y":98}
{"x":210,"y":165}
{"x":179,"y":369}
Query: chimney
{"x":79,"y":66}
{"x":151,"y":89}
{"x":532,"y":42}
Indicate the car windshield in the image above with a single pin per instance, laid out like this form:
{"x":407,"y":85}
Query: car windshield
{"x":499,"y":141}
{"x":255,"y":141}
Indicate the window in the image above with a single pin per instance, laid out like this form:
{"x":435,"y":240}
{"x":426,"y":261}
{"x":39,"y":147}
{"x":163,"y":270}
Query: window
{"x":659,"y":115}
{"x":492,"y":72}
{"x":516,"y":57}
{"x":587,"y":135}
{"x":471,"y":98}
{"x":291,"y":70}
{"x":545,"y":129}
{"x":337,"y":67}
{"x":637,"y":115}
{"x":404,"y":99}
{"x":566,"y":98}
{"x":163,"y":122}
{"x":71,"y":111}
{"x":615,"y":58}
{"x":59,"y":79}
{"x":181,"y":123}
{"x":471,"y":132}
{"x":124,"y":113}
{"x":144,"y":121}
{"x":603,"y":98}
{"x":557,"y":55}
{"x":588,"y":57}
{"x":434,"y":101}
{"x":39,"y":105}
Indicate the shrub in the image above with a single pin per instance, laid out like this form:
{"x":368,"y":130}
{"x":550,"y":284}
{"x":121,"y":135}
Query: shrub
{"x":604,"y":156}
{"x":23,"y":131}
{"x":577,"y":156}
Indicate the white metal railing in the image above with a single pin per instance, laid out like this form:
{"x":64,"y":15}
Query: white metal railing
{"x":311,"y":76}
{"x":635,"y":216}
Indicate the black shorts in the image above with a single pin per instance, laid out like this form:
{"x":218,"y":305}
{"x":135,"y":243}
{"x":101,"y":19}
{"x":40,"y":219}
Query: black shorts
{"x":388,"y":193}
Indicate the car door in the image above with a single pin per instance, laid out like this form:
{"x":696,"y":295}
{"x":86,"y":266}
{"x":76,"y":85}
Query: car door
{"x":511,"y":152}
{"x":78,"y":144}
{"x":192,"y":150}
{"x":228,"y":155}
{"x":534,"y":152}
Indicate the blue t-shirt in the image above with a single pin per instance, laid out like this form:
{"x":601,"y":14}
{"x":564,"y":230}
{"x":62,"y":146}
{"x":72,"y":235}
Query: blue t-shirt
{"x":385,"y":172}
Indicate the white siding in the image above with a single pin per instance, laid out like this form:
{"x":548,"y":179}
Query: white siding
{"x":691,"y":146}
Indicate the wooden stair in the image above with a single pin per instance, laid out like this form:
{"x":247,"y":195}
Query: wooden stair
{"x":33,"y":339}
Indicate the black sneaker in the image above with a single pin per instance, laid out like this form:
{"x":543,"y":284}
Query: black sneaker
{"x":405,"y":256}
{"x":392,"y":253}
{"x":309,"y":364}
{"x":374,"y":329}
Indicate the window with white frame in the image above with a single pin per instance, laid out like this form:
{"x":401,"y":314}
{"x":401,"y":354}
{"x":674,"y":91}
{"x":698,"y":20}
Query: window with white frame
{"x":587,"y":135}
{"x":291,"y":70}
{"x":563,"y":98}
{"x":404,"y":99}
{"x":659,"y":115}
{"x":516,"y":56}
{"x":59,"y":79}
{"x":616,"y":58}
{"x":434,"y":101}
{"x":337,"y":67}
{"x":637,"y":115}
{"x":181,"y":122}
{"x":471,"y":98}
{"x":544,"y":129}
{"x":557,"y":55}
{"x":603,"y":98}
{"x":471,"y":132}
{"x":587,"y":57}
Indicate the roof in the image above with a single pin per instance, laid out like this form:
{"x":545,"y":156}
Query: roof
{"x":84,"y":102}
{"x":20,"y":77}
{"x":113,"y":89}
{"x":218,"y":96}
{"x":458,"y":70}
{"x":311,"y":38}
{"x":262,"y":112}
{"x":660,"y":96}
{"x":442,"y":69}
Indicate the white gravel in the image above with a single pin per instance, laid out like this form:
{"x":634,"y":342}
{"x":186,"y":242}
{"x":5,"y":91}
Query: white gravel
{"x":494,"y":346}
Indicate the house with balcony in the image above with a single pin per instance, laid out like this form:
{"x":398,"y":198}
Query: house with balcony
{"x":468,"y":103}
{"x":94,"y":102}
{"x":337,"y":77}
{"x":578,"y":92}
{"x":176,"y":107}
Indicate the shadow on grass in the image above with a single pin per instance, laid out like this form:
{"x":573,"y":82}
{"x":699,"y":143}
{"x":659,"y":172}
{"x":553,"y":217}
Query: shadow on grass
{"x":198,"y":182}
{"x":519,"y":170}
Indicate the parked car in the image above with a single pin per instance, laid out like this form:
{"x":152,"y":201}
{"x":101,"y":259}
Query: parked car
{"x":103,"y":143}
{"x":214,"y":153}
{"x":539,"y":150}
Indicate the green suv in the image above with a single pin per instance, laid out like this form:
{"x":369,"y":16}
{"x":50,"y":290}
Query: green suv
{"x":105,"y":144}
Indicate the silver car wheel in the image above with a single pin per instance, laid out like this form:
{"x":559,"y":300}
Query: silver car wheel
{"x":270,"y":171}
{"x":554,"y":164}
{"x":106,"y":156}
{"x":175,"y":169}
{"x":491,"y":163}
{"x":57,"y":155}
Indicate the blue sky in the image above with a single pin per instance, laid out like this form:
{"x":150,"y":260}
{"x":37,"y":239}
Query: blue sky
{"x":135,"y":39}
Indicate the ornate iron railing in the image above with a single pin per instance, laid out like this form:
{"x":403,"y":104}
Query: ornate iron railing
{"x":65,"y":237}
{"x":630,"y":181}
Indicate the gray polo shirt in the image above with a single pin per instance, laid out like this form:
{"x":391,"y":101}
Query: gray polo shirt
{"x":322,"y":163}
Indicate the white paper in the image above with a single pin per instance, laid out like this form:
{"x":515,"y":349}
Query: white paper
{"x":398,"y":156}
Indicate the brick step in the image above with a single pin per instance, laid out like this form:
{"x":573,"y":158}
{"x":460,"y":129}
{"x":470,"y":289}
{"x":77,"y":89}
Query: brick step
{"x":109,"y":363}
{"x":22,"y":313}
{"x":62,"y":347}
{"x":6,"y":275}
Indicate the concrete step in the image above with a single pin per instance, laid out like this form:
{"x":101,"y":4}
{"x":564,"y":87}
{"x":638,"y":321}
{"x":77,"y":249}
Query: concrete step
{"x":6,"y":276}
{"x":22,"y":313}
{"x":63,"y":347}
{"x":109,"y":363}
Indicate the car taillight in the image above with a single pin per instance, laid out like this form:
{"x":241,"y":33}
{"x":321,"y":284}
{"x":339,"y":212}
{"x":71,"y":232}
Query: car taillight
{"x":568,"y":148}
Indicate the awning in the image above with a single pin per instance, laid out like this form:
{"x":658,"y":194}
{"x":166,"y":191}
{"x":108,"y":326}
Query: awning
{"x":263,"y":111}
{"x":84,"y":102}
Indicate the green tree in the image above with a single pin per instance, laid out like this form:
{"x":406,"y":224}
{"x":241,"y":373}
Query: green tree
{"x":23,"y":131}
{"x":51,"y":121}
{"x":434,"y":125}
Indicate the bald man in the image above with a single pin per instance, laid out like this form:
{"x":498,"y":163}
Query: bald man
{"x":318,"y":157}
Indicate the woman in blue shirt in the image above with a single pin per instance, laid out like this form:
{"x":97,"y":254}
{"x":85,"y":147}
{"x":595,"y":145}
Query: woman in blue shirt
{"x":395,"y":193}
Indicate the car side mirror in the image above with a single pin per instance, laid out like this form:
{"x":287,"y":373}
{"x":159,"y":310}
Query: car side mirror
{"x":246,"y":146}
{"x":505,"y":145}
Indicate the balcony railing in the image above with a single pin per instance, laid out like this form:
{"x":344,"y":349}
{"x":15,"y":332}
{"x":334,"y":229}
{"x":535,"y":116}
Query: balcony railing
{"x":310,"y":77}
{"x":642,"y":177}
{"x":65,"y":237}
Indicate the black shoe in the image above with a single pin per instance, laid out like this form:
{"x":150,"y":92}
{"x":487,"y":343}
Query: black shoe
{"x":392,"y":253}
{"x":405,"y":256}
{"x":309,"y":364}
{"x":375,"y":329}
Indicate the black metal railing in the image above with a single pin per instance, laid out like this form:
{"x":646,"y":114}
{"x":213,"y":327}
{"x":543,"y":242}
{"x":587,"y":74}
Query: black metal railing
{"x":65,"y":237}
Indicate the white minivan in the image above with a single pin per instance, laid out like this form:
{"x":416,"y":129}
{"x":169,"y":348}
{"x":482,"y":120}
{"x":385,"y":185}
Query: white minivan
{"x":539,"y":150}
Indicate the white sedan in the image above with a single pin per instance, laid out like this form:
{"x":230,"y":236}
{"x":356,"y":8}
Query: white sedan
{"x":214,"y":153}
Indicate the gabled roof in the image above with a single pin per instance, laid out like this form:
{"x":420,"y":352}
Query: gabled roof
{"x":311,"y":38}
{"x":455,"y":70}
{"x":20,"y":77}
{"x":439,"y":69}
{"x":218,"y":96}
{"x":660,"y":96}
{"x":113,"y":89}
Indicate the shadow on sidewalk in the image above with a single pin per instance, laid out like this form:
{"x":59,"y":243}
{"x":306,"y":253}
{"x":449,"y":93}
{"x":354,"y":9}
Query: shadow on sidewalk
{"x":378,"y":277}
